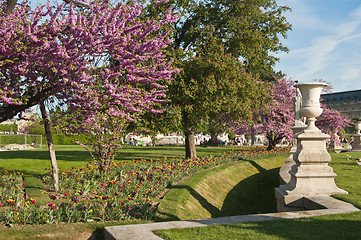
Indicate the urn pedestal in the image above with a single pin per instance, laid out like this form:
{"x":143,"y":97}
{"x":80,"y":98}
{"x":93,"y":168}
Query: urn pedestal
{"x":284,"y":173}
{"x":310,"y":175}
{"x":356,"y":144}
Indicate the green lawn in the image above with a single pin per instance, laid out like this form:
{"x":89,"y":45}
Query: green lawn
{"x":35,"y":161}
{"x":240,"y":183}
{"x":32,"y":163}
{"x":342,"y":226}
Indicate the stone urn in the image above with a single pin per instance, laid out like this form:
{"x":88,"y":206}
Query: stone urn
{"x":358,"y":127}
{"x":311,"y":107}
{"x":310,"y":175}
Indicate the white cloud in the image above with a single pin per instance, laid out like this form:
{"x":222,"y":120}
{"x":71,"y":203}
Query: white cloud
{"x":322,"y":54}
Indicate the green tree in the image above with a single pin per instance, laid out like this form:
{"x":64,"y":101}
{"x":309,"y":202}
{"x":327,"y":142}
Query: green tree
{"x":213,"y":87}
{"x":216,"y":44}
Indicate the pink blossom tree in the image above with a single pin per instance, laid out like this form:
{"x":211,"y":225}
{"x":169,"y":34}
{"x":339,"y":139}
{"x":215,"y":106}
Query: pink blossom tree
{"x":332,"y":122}
{"x":275,"y":121}
{"x":98,"y":62}
{"x":278,"y":117}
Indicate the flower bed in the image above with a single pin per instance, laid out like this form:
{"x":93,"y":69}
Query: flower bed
{"x":128,"y":190}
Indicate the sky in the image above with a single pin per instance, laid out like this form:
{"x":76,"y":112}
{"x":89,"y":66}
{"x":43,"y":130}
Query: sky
{"x":325,"y":42}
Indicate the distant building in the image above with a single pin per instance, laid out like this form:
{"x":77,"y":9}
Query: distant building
{"x":348,"y":103}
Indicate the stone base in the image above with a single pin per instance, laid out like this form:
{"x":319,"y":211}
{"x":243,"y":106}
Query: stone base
{"x":307,"y":181}
{"x":287,"y":203}
{"x":310,"y":175}
{"x":356,"y":145}
{"x":294,"y":201}
{"x":284,"y":174}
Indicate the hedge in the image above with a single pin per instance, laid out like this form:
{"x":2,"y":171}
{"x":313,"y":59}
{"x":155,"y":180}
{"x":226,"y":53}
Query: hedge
{"x":62,"y":139}
{"x":7,"y":127}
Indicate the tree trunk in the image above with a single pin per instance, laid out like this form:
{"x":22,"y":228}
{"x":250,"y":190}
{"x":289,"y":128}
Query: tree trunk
{"x":49,"y":140}
{"x":214,"y":134}
{"x":154,"y":140}
{"x":253,"y":135}
{"x":214,"y":137}
{"x":271,"y":145}
{"x":191,"y":151}
{"x":273,"y":140}
{"x":10,"y":5}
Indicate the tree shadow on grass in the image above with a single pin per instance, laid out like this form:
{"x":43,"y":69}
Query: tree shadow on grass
{"x":254,"y":194}
{"x":254,"y":164}
{"x":126,"y":154}
{"x":150,"y":153}
{"x":76,"y":156}
{"x":164,"y":216}
{"x":25,"y":154}
{"x":44,"y":155}
{"x":214,"y":211}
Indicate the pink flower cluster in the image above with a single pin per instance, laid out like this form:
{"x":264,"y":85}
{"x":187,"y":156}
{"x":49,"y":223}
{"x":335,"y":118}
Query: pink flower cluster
{"x":103,"y":60}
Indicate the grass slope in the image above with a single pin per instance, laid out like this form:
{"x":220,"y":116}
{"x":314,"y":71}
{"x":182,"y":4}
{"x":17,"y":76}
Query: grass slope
{"x":230,"y":189}
{"x":341,"y":226}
